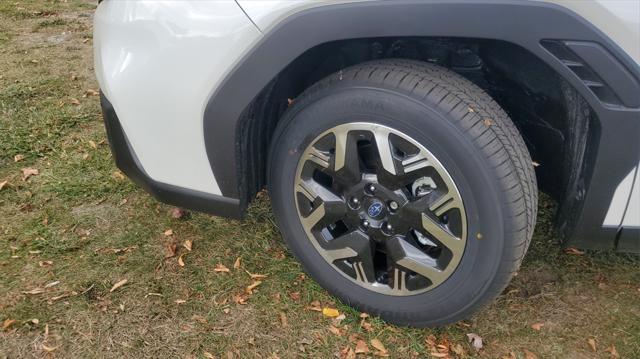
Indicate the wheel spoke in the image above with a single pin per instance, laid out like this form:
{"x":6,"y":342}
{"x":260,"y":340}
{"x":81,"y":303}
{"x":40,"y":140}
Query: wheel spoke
{"x":439,"y":232}
{"x":384,"y":150}
{"x":445,"y":203}
{"x":331,"y":208}
{"x":406,"y":255}
{"x":346,"y":164}
{"x":353,"y":245}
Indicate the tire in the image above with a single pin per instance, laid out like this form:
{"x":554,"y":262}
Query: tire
{"x":476,"y":144}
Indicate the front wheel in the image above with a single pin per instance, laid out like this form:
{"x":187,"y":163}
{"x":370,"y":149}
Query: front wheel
{"x":404,"y":190}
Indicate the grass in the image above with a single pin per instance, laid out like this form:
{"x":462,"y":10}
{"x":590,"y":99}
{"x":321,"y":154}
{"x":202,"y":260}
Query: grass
{"x":80,"y":225}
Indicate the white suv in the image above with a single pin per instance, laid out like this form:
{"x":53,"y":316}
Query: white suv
{"x":397,"y":139}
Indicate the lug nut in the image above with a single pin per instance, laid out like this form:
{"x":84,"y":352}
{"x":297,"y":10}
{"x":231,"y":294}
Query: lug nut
{"x":365,"y":223}
{"x":393,"y":205}
{"x":372,"y":188}
{"x":354,"y":200}
{"x":389,"y":227}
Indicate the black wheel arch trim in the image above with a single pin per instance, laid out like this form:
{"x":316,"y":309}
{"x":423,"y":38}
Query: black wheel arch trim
{"x":128,"y":163}
{"x":521,"y":22}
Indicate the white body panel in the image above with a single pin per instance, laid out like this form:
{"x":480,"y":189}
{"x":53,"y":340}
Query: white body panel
{"x":158,"y":62}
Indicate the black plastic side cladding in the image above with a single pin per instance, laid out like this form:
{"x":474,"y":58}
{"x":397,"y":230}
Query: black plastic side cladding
{"x":520,"y":22}
{"x":127,"y":162}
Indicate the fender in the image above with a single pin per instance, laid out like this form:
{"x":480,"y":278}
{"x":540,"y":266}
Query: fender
{"x":524,"y":23}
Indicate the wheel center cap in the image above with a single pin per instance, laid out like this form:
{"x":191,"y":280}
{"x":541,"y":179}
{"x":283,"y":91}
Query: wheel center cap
{"x":375,"y":209}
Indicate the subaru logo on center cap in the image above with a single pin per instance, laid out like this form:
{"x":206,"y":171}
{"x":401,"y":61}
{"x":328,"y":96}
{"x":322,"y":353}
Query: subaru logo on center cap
{"x":374,"y":209}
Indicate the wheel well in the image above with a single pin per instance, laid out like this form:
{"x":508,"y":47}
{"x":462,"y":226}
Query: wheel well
{"x":559,"y":127}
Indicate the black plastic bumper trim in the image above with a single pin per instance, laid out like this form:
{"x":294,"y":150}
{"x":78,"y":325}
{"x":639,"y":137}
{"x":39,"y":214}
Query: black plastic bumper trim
{"x":128,"y":163}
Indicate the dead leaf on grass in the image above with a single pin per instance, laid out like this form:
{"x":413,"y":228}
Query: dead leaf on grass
{"x":537,"y":326}
{"x":52,"y":284}
{"x":335,"y":331}
{"x":294,"y":296}
{"x":252,"y":286}
{"x":283,"y":320}
{"x":330,"y":312}
{"x":347,"y":353}
{"x":170,"y":250}
{"x":3,"y":184}
{"x":475,"y":340}
{"x":7,"y":324}
{"x":18,"y":158}
{"x":361,"y":347}
{"x":574,"y":251}
{"x":381,"y":350}
{"x":168,"y":233}
{"x":28,"y":172}
{"x":118,"y":175}
{"x":91,"y":92}
{"x":592,"y":344}
{"x":177,"y":213}
{"x":45,"y":263}
{"x":74,"y":101}
{"x":180,"y":301}
{"x":612,"y":350}
{"x":220,"y":268}
{"x":118,"y":285}
{"x":34,"y":291}
{"x":47,"y":348}
{"x":188,"y":244}
{"x":315,"y":306}
{"x":529,"y":354}
{"x":208,"y":355}
{"x":236,"y":264}
{"x":180,"y":260}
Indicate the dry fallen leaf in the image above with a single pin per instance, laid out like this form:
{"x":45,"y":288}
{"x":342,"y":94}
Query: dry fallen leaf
{"x":475,"y":340}
{"x":283,"y":320}
{"x":92,"y":92}
{"x":7,"y":323}
{"x":47,"y":348}
{"x":377,"y":344}
{"x":28,"y":172}
{"x":612,"y":350}
{"x":180,"y":301}
{"x":118,"y":175}
{"x":236,"y":264}
{"x":252,"y":286}
{"x":74,"y":101}
{"x":257,"y":276}
{"x":34,"y":291}
{"x":208,"y":355}
{"x":294,"y":296}
{"x":361,"y":347}
{"x":188,"y":244}
{"x":93,"y":145}
{"x":335,"y":331}
{"x":529,"y":355}
{"x":537,"y":326}
{"x":347,"y":353}
{"x":45,"y":263}
{"x":180,"y":260}
{"x":18,"y":158}
{"x":330,"y":312}
{"x":118,"y":285}
{"x":315,"y":306}
{"x":574,"y":251}
{"x":177,"y":213}
{"x":592,"y":344}
{"x":170,"y":250}
{"x":168,"y":232}
{"x":2,"y":184}
{"x":220,"y":268}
